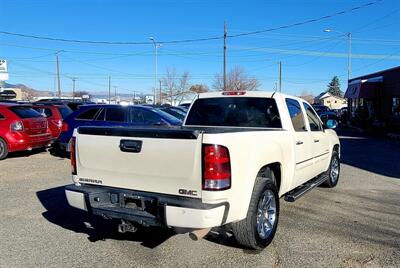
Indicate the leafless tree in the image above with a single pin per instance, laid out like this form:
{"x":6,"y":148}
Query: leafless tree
{"x":236,"y":79}
{"x":169,"y":83}
{"x":175,"y":88}
{"x":199,"y":88}
{"x":307,"y":96}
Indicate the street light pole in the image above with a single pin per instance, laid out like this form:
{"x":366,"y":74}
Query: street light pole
{"x":156,"y":47}
{"x":349,"y":37}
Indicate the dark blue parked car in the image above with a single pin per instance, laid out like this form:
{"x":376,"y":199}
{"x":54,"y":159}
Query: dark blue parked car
{"x":113,"y":115}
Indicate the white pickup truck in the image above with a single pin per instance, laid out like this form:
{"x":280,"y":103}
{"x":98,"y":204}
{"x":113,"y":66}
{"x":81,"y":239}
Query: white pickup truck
{"x":235,"y":156}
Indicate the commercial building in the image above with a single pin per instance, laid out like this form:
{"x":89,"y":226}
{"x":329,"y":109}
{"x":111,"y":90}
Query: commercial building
{"x":374,"y":100}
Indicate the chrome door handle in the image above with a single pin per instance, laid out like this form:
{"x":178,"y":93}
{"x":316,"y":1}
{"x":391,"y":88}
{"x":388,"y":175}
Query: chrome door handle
{"x":299,"y":142}
{"x":316,"y":140}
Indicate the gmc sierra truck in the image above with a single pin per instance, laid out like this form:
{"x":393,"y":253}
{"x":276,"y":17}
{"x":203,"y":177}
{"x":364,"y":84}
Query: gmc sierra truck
{"x":236,"y":154}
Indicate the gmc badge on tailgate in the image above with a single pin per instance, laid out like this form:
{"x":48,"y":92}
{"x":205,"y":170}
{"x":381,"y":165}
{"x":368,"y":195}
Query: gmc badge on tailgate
{"x":188,"y":192}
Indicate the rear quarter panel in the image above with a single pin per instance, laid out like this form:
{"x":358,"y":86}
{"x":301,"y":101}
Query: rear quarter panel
{"x":249,"y":153}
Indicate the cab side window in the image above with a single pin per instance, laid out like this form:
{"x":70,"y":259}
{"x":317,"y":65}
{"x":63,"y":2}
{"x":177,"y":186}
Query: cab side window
{"x":2,"y":117}
{"x":296,"y":115}
{"x":313,"y":119}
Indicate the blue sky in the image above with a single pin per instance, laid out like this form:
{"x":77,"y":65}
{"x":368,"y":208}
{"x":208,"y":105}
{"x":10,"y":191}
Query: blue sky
{"x":310,"y":56}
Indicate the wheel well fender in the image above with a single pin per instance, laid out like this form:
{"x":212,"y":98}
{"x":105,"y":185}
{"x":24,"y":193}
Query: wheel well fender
{"x":276,"y":169}
{"x":336,"y":148}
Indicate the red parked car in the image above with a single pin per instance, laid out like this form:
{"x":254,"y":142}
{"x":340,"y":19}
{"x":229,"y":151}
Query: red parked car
{"x":22,"y":128}
{"x":55,"y":114}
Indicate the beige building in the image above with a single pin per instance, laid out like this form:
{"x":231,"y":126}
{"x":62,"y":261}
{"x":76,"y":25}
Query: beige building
{"x":330,"y":101}
{"x":11,"y":94}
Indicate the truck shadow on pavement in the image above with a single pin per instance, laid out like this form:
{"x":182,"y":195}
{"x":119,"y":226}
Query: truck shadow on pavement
{"x":98,"y":229}
{"x":373,"y":154}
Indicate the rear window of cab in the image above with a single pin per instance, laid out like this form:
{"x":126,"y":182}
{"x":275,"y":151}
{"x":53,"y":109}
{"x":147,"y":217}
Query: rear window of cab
{"x":235,"y":112}
{"x":25,"y":112}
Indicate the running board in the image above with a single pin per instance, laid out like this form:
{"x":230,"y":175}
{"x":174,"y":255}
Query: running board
{"x":304,"y":188}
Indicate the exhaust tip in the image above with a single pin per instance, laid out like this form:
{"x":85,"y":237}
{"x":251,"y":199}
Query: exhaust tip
{"x":196,"y":235}
{"x":193,"y":237}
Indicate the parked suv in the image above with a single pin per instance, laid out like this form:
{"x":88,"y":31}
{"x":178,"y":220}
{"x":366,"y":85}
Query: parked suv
{"x":22,"y":128}
{"x":112,"y":115}
{"x":325,"y":113}
{"x":55,"y":114}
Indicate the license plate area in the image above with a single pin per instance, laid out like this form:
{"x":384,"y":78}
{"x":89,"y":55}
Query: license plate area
{"x":131,"y":202}
{"x":137,"y":202}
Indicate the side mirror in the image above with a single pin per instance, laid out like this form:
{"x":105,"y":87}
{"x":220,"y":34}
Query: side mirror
{"x":331,"y":123}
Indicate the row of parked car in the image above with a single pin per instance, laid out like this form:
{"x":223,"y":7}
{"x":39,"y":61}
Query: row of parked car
{"x":35,"y":125}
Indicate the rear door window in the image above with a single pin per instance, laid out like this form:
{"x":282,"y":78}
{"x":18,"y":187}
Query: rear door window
{"x":46,"y":112}
{"x":88,"y":114}
{"x":235,"y":112}
{"x":25,"y":112}
{"x":296,"y":115}
{"x":64,"y":111}
{"x":101,"y":115}
{"x":117,"y":114}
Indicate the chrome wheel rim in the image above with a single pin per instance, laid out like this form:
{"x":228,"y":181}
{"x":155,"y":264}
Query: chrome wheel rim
{"x":334,"y":169}
{"x":266,"y":214}
{"x":1,"y":148}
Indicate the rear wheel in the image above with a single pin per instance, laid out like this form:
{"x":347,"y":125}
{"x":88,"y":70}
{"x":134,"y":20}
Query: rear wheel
{"x":258,"y":229}
{"x":333,"y":172}
{"x":3,"y":149}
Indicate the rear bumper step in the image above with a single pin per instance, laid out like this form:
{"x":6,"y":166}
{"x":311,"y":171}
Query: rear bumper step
{"x":149,"y":209}
{"x":304,"y":188}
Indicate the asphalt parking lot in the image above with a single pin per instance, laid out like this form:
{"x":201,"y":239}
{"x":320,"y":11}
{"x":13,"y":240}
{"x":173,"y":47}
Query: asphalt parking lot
{"x":353,"y":225}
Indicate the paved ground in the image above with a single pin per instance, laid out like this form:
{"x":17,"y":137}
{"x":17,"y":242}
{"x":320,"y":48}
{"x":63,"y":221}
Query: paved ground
{"x":353,"y":225}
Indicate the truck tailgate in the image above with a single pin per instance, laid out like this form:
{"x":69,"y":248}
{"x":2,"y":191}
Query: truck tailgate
{"x":155,"y":160}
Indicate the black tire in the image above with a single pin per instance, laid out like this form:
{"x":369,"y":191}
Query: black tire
{"x":333,"y":180}
{"x":3,"y":149}
{"x":246,"y":231}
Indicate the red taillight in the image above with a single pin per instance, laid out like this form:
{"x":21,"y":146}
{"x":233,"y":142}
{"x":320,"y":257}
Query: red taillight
{"x":73,"y":155}
{"x":216,"y":167}
{"x":17,"y":126}
{"x":233,"y":93}
{"x":64,"y":127}
{"x":57,"y":123}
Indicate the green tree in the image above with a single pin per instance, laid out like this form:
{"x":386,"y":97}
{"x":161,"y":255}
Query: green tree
{"x":334,"y":87}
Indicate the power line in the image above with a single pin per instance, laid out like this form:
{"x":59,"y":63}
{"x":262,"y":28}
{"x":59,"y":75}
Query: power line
{"x":195,"y":39}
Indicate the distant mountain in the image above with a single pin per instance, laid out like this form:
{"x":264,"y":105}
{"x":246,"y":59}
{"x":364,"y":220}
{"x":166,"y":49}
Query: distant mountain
{"x":28,"y":91}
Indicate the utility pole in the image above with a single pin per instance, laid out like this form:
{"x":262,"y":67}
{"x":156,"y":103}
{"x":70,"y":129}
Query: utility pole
{"x":349,"y":58}
{"x":109,"y":89}
{"x":58,"y":74}
{"x":280,"y":76}
{"x":73,"y":88}
{"x":115,"y":94}
{"x":134,"y":97}
{"x":224,"y":56}
{"x":160,"y":93}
